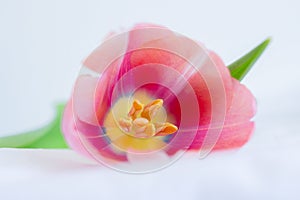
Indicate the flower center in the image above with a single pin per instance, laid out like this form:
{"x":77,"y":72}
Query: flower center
{"x":140,"y":121}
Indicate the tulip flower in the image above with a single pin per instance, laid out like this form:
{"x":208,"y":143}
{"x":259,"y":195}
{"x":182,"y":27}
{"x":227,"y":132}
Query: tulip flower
{"x":152,"y":94}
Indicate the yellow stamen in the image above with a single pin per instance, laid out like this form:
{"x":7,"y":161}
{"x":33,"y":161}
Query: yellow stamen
{"x":150,"y":130}
{"x":139,"y":125}
{"x":126,"y":124}
{"x":139,"y":122}
{"x":165,"y":129}
{"x":151,"y":109}
{"x":136,"y":109}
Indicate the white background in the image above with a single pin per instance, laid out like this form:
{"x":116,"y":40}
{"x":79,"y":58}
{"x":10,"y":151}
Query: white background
{"x":42,"y":44}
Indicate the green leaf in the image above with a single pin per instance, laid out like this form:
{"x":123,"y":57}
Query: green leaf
{"x":241,"y":67}
{"x":48,"y":137}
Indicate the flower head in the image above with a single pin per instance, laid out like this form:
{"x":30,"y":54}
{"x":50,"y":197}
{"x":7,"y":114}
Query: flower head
{"x":151,"y":94}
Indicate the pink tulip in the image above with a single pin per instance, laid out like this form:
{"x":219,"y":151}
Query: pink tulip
{"x":158,"y":90}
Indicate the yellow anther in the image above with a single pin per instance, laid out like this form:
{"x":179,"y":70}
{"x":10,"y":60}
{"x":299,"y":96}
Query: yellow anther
{"x":139,"y":125}
{"x":151,"y":109}
{"x":136,"y":109}
{"x":139,"y":122}
{"x":149,"y":130}
{"x":165,"y":129}
{"x":125,"y":124}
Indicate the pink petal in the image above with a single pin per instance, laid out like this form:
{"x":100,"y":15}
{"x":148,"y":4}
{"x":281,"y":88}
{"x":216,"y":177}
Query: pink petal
{"x":70,"y":132}
{"x":107,"y":52}
{"x":237,"y":128}
{"x":84,"y":99}
{"x":86,"y":139}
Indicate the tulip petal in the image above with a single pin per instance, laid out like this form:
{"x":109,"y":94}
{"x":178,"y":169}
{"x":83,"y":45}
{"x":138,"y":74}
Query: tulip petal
{"x":107,"y":52}
{"x":237,"y":128}
{"x":87,"y":139}
{"x":84,"y":99}
{"x":70,"y":131}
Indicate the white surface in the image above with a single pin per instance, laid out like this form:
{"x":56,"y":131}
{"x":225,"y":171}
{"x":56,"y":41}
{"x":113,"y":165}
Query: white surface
{"x":254,"y":172}
{"x":42,"y":44}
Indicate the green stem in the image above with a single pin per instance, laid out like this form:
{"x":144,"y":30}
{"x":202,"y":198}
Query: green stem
{"x":48,"y":137}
